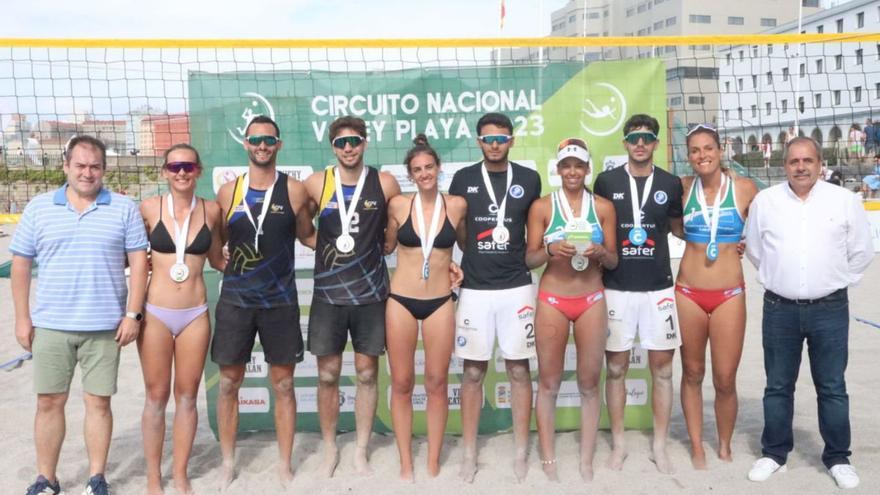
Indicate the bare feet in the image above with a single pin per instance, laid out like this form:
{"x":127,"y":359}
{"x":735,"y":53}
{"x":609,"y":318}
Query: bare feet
{"x":618,"y":455}
{"x":330,"y":461}
{"x":183,"y":486}
{"x":406,"y":474}
{"x":154,"y":488}
{"x":520,"y":467}
{"x":285,"y":475}
{"x":468,"y":469}
{"x":433,"y":469}
{"x":661,"y":458}
{"x":724,"y":453}
{"x":361,"y":462}
{"x":586,"y":469}
{"x":550,"y":471}
{"x":226,"y":476}
{"x":698,"y":458}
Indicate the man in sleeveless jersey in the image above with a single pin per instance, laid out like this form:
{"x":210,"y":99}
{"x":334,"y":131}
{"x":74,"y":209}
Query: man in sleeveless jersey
{"x":351,"y":282}
{"x":263,"y":210}
{"x":497,"y":296}
{"x":639,"y":292}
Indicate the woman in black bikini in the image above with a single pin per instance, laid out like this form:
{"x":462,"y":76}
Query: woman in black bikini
{"x":420,"y":290}
{"x":176,"y":329}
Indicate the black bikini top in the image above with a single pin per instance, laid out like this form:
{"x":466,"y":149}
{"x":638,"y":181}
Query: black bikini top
{"x":161,"y":241}
{"x":407,"y":233}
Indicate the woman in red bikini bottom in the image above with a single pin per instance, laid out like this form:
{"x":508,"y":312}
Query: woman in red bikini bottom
{"x":183,"y":232}
{"x":573,"y":232}
{"x":709,"y":289}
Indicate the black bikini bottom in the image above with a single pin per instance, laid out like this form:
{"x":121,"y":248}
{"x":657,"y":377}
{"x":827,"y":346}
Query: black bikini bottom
{"x":421,"y":309}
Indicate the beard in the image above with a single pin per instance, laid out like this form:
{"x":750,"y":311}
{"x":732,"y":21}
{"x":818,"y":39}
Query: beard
{"x":500,"y":161}
{"x":261,"y":163}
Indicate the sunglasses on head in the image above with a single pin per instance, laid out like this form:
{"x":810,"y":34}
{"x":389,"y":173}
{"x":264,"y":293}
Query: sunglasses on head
{"x":572,"y":142}
{"x":256,"y":140}
{"x":705,"y":127}
{"x":176,"y":167}
{"x":633,"y":137}
{"x":353,"y":141}
{"x":495,"y":138}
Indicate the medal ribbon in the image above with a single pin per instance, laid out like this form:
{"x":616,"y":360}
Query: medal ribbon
{"x":714,"y":220}
{"x":634,"y":196}
{"x":427,"y":242}
{"x":345,"y":215}
{"x":258,"y":224}
{"x":180,"y":233}
{"x":503,"y":207}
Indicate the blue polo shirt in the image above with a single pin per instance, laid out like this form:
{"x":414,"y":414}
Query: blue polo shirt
{"x":81,"y":285}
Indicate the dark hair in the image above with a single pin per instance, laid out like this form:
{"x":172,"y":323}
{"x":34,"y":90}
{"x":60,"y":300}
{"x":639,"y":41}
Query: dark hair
{"x":181,"y":146}
{"x":87,"y":141}
{"x":496,"y":119}
{"x":356,"y":124}
{"x":703,"y":130}
{"x":262,"y":119}
{"x":420,"y":145}
{"x":641,"y":120}
{"x":800,"y":140}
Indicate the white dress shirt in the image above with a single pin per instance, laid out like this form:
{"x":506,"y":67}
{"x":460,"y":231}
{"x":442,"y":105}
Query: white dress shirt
{"x":807,"y":249}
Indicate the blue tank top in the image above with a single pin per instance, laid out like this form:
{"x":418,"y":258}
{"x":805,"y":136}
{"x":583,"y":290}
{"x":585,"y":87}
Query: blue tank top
{"x":730,"y":223}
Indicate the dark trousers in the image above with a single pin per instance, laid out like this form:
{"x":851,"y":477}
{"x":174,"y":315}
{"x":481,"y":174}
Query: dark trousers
{"x":825,"y":326}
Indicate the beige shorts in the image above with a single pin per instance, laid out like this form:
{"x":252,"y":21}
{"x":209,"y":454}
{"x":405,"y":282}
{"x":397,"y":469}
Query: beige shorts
{"x":56,"y":354}
{"x":649,"y":315}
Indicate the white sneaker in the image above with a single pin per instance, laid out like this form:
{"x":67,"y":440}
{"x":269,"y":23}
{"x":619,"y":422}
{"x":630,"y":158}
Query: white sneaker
{"x":844,"y":475}
{"x":764,"y":467}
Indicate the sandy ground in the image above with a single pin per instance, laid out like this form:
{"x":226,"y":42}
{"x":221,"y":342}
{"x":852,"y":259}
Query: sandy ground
{"x":257,"y":453}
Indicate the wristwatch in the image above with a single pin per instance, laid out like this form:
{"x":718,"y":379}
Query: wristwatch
{"x":134,"y":316}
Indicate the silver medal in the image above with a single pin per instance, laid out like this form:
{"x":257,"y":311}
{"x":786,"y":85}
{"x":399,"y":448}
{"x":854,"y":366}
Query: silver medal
{"x":179,"y":272}
{"x":345,"y":243}
{"x":500,"y":235}
{"x":579,"y":262}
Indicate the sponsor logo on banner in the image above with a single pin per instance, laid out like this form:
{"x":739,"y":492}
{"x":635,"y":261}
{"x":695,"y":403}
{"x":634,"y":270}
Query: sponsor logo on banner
{"x":453,"y":395}
{"x":636,"y":392}
{"x":253,"y":400}
{"x":419,"y":398}
{"x":570,"y":360}
{"x":456,"y":365}
{"x":306,"y":398}
{"x":223,"y":174}
{"x":613,"y":161}
{"x":348,"y":368}
{"x":569,"y":395}
{"x":305,"y":287}
{"x":418,"y":363}
{"x":256,"y":367}
{"x":255,"y":104}
{"x":308,"y":368}
{"x":502,"y":394}
{"x":346,"y":398}
{"x":500,"y":367}
{"x":638,"y":358}
{"x":604,"y":110}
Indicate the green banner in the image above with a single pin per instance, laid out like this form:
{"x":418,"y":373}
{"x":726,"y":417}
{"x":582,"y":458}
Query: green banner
{"x":547,"y":104}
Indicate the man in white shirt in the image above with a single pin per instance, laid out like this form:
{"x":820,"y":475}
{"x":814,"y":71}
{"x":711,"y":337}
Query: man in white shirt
{"x":809,"y":240}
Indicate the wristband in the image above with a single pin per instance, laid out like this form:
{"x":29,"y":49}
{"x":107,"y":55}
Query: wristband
{"x":547,"y":249}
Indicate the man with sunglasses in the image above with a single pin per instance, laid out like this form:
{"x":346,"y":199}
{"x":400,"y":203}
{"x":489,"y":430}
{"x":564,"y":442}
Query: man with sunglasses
{"x":81,"y":236}
{"x":497,"y":295}
{"x":351,"y":282}
{"x":639,"y":292}
{"x":263,"y":210}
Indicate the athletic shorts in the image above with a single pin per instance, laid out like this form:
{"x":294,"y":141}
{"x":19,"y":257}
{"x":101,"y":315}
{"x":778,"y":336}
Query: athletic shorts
{"x":330,"y":325}
{"x":483,"y":314}
{"x":651,"y":315}
{"x":235,"y":329}
{"x":56,"y":354}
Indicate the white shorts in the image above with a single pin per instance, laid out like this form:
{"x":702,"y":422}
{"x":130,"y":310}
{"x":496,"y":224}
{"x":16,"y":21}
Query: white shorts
{"x":651,"y":315}
{"x":509,"y":313}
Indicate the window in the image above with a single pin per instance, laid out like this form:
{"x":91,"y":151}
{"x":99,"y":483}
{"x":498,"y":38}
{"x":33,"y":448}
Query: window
{"x":658,"y":25}
{"x":839,"y":25}
{"x":785,"y":73}
{"x":630,"y":12}
{"x":727,"y":115}
{"x":860,"y":20}
{"x":784,"y":106}
{"x":768,"y":108}
{"x":801,"y":104}
{"x":820,"y":29}
{"x":859,"y":58}
{"x":754,"y":111}
{"x":836,"y":97}
{"x":641,"y":32}
{"x":770,"y":78}
{"x":727,"y":86}
{"x":604,"y":13}
{"x":819,"y":64}
{"x":593,"y":15}
{"x":571,"y":18}
{"x":728,"y":58}
{"x":754,"y":81}
{"x":768,"y":22}
{"x":741,"y":56}
{"x":838,"y":62}
{"x":817,"y":100}
{"x":675,"y":101}
{"x":755,"y":51}
{"x":769,"y":49}
{"x":857,"y":94}
{"x":878,"y":51}
{"x":735,"y":21}
{"x":739,"y":113}
{"x":739,"y":84}
{"x":810,"y":3}
{"x":877,"y":90}
{"x":803,"y":70}
{"x":700,"y":19}
{"x":642,"y":8}
{"x":670,"y":21}
{"x":696,"y":100}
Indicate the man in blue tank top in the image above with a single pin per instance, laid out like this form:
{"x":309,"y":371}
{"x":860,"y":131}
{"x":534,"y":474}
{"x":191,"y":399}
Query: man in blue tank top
{"x":351,"y":282}
{"x":264,"y":210}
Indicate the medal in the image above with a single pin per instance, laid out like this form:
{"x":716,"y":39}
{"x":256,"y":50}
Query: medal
{"x":638,"y":235}
{"x":179,"y":272}
{"x":579,"y":262}
{"x":712,"y":220}
{"x":578,"y":231}
{"x":426,"y":237}
{"x":426,"y":270}
{"x":345,"y":243}
{"x":500,"y":235}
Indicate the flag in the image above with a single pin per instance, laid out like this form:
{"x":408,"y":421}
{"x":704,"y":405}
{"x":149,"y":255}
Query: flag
{"x":503,"y":11}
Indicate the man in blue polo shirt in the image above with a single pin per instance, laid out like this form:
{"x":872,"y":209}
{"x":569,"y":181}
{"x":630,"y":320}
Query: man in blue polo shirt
{"x":80,"y":236}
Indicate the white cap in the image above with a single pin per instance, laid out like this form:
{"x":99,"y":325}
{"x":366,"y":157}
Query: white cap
{"x":572,"y":147}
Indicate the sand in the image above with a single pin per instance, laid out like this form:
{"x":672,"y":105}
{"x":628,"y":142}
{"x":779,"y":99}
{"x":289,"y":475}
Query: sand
{"x":257,"y":452}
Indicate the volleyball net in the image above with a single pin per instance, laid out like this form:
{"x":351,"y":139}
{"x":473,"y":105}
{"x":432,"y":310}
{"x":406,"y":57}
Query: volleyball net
{"x":142,"y":96}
